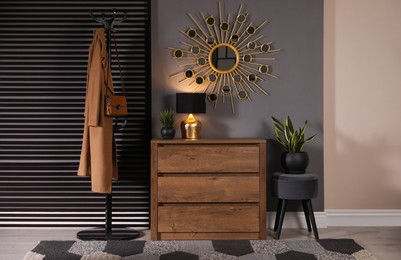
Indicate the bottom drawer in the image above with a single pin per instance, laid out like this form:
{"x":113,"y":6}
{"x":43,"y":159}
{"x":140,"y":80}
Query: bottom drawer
{"x":208,"y":218}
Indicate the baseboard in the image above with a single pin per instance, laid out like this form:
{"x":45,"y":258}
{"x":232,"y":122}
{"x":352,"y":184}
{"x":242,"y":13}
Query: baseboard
{"x":364,"y":218}
{"x":341,"y":218}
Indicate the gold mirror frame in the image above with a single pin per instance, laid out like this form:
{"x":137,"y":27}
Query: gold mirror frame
{"x":234,"y":67}
{"x":240,"y":36}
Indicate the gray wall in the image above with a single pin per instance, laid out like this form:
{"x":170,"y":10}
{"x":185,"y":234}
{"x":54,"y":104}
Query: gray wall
{"x":297,"y":29}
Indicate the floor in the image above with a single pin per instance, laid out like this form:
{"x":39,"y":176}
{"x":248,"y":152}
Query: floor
{"x":383,"y":242}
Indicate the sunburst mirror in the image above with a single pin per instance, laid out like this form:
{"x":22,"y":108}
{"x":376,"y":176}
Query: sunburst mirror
{"x":224,"y":55}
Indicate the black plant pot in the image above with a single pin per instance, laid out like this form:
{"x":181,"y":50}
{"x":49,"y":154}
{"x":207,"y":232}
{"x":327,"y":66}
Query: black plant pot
{"x":168,"y":132}
{"x":295,"y":163}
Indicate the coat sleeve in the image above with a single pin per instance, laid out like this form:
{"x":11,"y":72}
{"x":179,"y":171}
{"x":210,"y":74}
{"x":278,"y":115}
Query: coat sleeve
{"x":94,"y":86}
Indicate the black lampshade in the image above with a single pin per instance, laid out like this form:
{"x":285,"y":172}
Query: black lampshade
{"x":191,"y":103}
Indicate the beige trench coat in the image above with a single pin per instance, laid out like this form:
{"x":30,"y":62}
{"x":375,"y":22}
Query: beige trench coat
{"x":98,"y":154}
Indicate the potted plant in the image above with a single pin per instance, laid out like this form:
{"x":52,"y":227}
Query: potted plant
{"x":294,"y":160}
{"x":167,"y":118}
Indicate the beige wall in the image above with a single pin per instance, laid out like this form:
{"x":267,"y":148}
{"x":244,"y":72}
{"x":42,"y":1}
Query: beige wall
{"x":362,"y":104}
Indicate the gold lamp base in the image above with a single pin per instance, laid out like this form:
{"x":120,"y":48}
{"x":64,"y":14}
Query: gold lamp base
{"x":191,"y":128}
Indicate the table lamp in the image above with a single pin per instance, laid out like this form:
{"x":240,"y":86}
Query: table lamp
{"x":191,"y":103}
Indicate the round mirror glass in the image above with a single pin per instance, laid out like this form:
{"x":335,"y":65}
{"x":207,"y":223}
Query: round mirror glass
{"x":195,"y":50}
{"x":265,"y":47}
{"x":237,"y":78}
{"x":226,"y":89}
{"x":210,"y":21}
{"x":212,"y":97}
{"x":191,"y":33}
{"x":212,"y":77}
{"x":242,"y":94}
{"x":234,"y":38}
{"x":223,"y":58}
{"x":201,"y":61}
{"x":178,"y":53}
{"x":250,"y":30}
{"x":251,"y":45}
{"x":210,"y":40}
{"x":264,"y":69}
{"x":247,"y":58}
{"x":241,"y":18}
{"x":224,"y":26}
{"x":199,"y":80}
{"x":189,"y":73}
{"x":252,"y":77}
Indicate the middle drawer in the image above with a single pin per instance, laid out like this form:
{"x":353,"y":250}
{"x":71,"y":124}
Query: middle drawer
{"x":238,"y":188}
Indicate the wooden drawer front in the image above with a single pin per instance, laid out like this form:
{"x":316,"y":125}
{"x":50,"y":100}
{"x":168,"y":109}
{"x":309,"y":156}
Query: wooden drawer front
{"x":208,"y":218}
{"x":208,"y":158}
{"x":208,"y":189}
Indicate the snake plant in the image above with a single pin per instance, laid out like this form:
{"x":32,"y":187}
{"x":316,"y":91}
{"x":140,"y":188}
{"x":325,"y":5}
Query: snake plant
{"x":293,"y":140}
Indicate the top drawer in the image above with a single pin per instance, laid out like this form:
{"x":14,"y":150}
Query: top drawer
{"x":208,"y":158}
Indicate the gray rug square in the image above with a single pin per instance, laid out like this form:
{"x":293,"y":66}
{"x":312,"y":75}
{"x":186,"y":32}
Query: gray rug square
{"x":198,"y":247}
{"x":305,"y":246}
{"x":87,"y":247}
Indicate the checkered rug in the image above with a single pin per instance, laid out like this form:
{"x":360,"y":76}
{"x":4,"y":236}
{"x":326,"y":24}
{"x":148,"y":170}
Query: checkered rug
{"x":323,"y":249}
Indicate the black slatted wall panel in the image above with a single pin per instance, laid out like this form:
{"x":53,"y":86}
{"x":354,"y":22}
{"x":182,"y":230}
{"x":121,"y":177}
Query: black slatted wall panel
{"x":43,"y":61}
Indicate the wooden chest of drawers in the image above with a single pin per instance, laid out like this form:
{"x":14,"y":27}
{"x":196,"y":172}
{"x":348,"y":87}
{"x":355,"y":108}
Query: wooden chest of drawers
{"x":208,"y":189}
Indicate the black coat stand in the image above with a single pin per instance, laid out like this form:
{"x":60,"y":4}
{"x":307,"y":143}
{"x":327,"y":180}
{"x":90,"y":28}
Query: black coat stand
{"x":108,"y":232}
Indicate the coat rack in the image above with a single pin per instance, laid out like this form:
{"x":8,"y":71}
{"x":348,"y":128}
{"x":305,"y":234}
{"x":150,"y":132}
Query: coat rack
{"x":108,"y":233}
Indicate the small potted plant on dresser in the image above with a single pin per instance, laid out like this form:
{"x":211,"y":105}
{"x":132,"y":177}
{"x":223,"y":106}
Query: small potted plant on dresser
{"x":294,"y":160}
{"x":167,"y":118}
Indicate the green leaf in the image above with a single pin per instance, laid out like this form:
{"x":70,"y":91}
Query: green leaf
{"x":302,"y":130}
{"x":310,"y":138}
{"x":293,"y":143}
{"x":277,"y":123}
{"x":281,"y":142}
{"x":289,"y":124}
{"x":287,"y":133}
{"x":301,"y":135}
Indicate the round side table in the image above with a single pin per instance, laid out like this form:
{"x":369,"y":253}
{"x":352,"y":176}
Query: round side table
{"x":302,"y":187}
